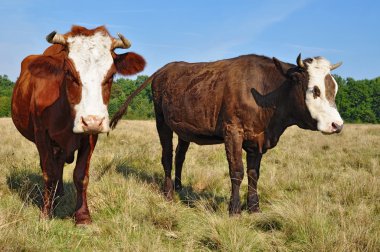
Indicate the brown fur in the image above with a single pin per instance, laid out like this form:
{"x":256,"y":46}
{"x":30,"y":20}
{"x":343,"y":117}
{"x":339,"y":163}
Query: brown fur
{"x":129,"y":63}
{"x":42,"y":110}
{"x":82,"y":31}
{"x":330,"y":89}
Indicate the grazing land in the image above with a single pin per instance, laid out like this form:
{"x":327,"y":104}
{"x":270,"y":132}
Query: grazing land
{"x":317,"y":193}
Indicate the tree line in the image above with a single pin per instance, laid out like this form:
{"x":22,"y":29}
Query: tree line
{"x":358,"y":101}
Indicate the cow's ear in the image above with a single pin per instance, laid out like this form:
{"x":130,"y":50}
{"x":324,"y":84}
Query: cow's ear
{"x":279,"y":66}
{"x":129,"y":63}
{"x":46,"y":67}
{"x":47,"y":74}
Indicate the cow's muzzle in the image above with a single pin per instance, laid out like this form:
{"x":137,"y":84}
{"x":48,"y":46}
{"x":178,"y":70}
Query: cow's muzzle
{"x":336,"y":127}
{"x":92,"y":124}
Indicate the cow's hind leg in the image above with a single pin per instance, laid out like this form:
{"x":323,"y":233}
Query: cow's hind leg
{"x":233,"y":140}
{"x":180,"y":154}
{"x":81,"y":178}
{"x":253,"y":173}
{"x":166,"y":139}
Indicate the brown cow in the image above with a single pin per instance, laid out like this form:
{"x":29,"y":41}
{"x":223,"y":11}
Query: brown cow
{"x":246,"y":103}
{"x":60,"y":103}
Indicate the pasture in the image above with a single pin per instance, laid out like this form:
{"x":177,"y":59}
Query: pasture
{"x":317,"y":193}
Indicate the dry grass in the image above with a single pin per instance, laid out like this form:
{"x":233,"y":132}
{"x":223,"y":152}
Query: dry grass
{"x":318,"y":193}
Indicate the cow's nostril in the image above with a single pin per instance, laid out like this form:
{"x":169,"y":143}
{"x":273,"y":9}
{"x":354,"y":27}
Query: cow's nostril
{"x":336,"y":127}
{"x":83,"y":121}
{"x":101,"y":121}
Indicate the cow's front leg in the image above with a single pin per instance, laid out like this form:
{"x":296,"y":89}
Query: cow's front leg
{"x":233,"y":141}
{"x":81,"y":178}
{"x":253,"y":172}
{"x":49,"y":171}
{"x":60,"y":158}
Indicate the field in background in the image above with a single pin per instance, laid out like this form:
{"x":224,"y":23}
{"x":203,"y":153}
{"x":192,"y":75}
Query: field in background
{"x":317,"y":192}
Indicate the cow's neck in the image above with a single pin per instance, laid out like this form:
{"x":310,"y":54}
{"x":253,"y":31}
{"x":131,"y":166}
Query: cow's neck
{"x":282,"y":119}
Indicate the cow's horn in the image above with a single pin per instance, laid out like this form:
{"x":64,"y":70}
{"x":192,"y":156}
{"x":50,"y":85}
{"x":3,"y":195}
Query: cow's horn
{"x":300,"y":62}
{"x":121,"y":43}
{"x":56,"y":38}
{"x":335,"y":66}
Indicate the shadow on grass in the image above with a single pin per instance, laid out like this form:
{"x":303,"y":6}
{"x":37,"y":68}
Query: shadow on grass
{"x":187,"y":195}
{"x":29,"y":187}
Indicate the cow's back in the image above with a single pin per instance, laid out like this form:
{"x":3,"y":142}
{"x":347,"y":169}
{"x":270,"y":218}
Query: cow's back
{"x":190,"y":96}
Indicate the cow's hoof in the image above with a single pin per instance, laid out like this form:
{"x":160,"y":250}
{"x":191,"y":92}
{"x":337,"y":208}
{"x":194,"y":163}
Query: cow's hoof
{"x":44,"y":215}
{"x":169,"y":195}
{"x":82,"y":219}
{"x":254,"y":209}
{"x":178,"y":187}
{"x":168,"y":189}
{"x":234,"y":213}
{"x":234,"y":209}
{"x":46,"y":212}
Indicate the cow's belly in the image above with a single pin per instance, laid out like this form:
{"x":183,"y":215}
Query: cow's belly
{"x":27,"y":130}
{"x":192,"y":120}
{"x":193,"y":110}
{"x":196,"y":134}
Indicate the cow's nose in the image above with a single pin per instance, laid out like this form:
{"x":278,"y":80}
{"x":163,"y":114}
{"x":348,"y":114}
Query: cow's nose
{"x":92,"y":124}
{"x":336,"y":127}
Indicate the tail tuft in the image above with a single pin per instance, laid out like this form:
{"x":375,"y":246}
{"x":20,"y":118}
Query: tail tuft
{"x":119,"y":114}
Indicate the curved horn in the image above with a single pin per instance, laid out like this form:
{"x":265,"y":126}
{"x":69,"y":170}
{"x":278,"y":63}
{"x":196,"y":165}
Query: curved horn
{"x":300,"y":62}
{"x":335,"y":66}
{"x":121,"y":43}
{"x":56,"y":38}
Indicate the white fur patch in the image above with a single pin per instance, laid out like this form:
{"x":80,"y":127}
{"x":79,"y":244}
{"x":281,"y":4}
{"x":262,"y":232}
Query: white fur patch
{"x":320,"y":108}
{"x":92,"y":59}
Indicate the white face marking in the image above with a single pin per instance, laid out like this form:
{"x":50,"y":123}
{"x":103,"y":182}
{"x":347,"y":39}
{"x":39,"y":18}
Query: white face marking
{"x":92,"y":59}
{"x":320,"y":108}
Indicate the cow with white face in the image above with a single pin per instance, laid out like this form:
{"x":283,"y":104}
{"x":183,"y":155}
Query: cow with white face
{"x":92,"y":59}
{"x":320,"y":94}
{"x":92,"y":65}
{"x":60,"y":103}
{"x":246,"y":103}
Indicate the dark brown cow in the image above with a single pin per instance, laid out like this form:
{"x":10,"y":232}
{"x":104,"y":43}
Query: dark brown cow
{"x":60,"y":103}
{"x":246,"y":103}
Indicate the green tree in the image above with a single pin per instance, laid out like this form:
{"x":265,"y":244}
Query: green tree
{"x":5,"y":106}
{"x":357,"y":100}
{"x":376,"y":98}
{"x":141,"y":106}
{"x":6,"y":88}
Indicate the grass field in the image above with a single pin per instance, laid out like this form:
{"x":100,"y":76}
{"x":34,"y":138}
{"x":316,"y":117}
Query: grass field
{"x":317,"y":192}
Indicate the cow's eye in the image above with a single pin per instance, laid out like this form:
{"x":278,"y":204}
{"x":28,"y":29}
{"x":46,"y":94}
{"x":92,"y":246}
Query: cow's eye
{"x":72,"y":79}
{"x":316,"y":92}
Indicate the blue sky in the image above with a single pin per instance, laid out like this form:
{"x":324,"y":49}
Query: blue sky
{"x":165,"y":31}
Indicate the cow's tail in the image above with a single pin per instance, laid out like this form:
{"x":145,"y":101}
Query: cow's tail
{"x":123,"y":109}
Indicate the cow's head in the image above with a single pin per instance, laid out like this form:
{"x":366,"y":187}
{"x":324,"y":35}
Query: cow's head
{"x":88,"y":70}
{"x":313,"y":94}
